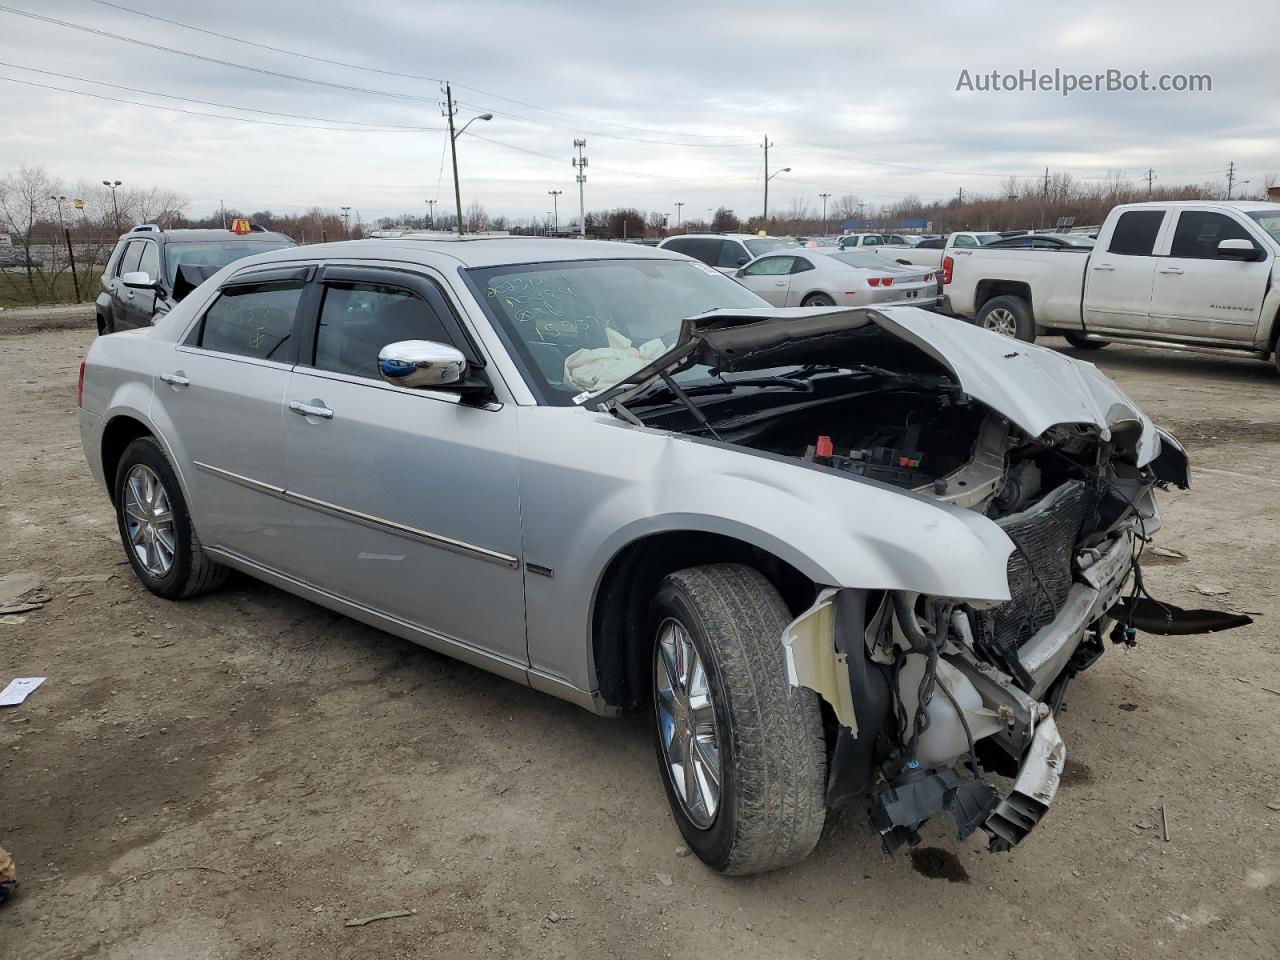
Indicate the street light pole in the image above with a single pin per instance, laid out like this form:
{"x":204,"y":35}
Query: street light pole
{"x":824,"y":197}
{"x":678,"y":205}
{"x":115,"y":211}
{"x":431,"y":214}
{"x":766,"y":192}
{"x":450,"y":109}
{"x":555,"y":207}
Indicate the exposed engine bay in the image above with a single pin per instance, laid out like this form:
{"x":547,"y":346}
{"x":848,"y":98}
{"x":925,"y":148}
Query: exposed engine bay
{"x":937,"y":701}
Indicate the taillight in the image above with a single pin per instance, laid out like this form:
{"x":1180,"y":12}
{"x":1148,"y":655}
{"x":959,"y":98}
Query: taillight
{"x":80,"y":386}
{"x":888,"y":281}
{"x":947,"y":266}
{"x":877,"y":281}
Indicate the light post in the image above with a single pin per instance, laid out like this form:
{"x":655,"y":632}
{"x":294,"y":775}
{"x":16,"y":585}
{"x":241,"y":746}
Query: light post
{"x":346,"y":222}
{"x":431,"y":214}
{"x":766,"y":194}
{"x":453,"y":148}
{"x":824,"y":197}
{"x":555,"y":207}
{"x":678,"y":205}
{"x":115,"y":211}
{"x":71,"y":256}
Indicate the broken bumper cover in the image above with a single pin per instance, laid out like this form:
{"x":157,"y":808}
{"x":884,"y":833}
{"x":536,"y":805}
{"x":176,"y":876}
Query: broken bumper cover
{"x":1033,"y":790}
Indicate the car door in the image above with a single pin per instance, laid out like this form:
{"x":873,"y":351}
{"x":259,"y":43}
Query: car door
{"x":732,"y":256}
{"x":799,"y":287}
{"x":1117,"y":291}
{"x":404,"y":501}
{"x":128,"y":263}
{"x":1199,"y":293}
{"x":768,"y":277}
{"x":221,"y":393}
{"x":139,"y":303}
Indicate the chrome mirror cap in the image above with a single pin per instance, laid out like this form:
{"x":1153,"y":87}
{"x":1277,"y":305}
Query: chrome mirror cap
{"x":421,"y":363}
{"x":138,"y":278}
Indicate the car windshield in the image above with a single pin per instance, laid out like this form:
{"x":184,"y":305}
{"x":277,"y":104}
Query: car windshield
{"x":583,"y":326}
{"x":1270,"y":222}
{"x":759,"y":247}
{"x":214,"y":253}
{"x":856,"y":258}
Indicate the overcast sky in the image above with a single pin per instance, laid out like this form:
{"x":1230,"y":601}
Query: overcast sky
{"x":857,"y":98}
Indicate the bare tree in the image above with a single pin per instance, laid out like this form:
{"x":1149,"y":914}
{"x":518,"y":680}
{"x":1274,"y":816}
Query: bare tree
{"x":477,"y":219}
{"x":26,"y":201}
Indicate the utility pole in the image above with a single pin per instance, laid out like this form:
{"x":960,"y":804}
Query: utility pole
{"x":580,"y":165}
{"x":450,"y":110}
{"x":555,"y":207}
{"x":431,"y":214}
{"x":766,"y":182}
{"x":825,"y":197}
{"x":960,"y":196}
{"x":678,"y":205}
{"x":222,"y":209}
{"x":71,"y":256}
{"x":1232,"y":179}
{"x":1151,"y":178}
{"x":1044,"y":197}
{"x":346,"y":222}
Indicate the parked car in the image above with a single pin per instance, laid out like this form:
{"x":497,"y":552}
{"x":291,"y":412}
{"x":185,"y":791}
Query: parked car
{"x":1190,"y":275}
{"x":11,"y":258}
{"x":152,"y":269}
{"x":725,"y":252}
{"x":825,"y":277}
{"x":1043,"y":241}
{"x":840,"y":556}
{"x":930,"y":253}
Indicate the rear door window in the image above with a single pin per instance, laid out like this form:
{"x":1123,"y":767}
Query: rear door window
{"x":1135,"y":233}
{"x":1199,"y":232}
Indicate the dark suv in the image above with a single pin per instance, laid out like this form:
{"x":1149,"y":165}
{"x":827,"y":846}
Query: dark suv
{"x":152,"y":269}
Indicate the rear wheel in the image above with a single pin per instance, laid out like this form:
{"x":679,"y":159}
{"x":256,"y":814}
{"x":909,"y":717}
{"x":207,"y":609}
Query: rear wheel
{"x":1010,"y":316}
{"x":1081,"y":342}
{"x":105,"y":325}
{"x":818,"y":300}
{"x":741,"y":751}
{"x":155,"y":527}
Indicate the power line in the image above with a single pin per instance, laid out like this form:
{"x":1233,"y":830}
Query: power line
{"x":226,"y":106}
{"x":382,"y":71}
{"x":196,"y":113}
{"x":607,"y":136}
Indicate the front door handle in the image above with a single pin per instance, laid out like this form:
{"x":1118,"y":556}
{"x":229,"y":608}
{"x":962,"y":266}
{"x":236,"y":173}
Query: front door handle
{"x":313,"y":408}
{"x":1170,"y":269}
{"x":779,"y":283}
{"x":1103,"y":266}
{"x":177,"y":379}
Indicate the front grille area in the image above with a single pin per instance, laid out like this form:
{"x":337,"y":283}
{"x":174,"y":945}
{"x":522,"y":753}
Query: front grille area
{"x":1047,"y":533}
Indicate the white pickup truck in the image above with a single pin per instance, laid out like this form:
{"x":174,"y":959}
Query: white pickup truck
{"x":1189,"y":275}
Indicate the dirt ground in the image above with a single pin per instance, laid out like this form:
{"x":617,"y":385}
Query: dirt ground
{"x":236,"y":776}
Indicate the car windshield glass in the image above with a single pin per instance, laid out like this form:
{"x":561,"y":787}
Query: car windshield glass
{"x":854,"y":258}
{"x":214,"y":253}
{"x":763,"y":245}
{"x":586,"y":325}
{"x":1270,"y":221}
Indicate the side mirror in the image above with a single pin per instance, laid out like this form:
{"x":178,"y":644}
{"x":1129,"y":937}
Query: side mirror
{"x":422,"y":363}
{"x":743,"y":261}
{"x":141,"y":280}
{"x":1237,"y":250}
{"x":739,"y":272}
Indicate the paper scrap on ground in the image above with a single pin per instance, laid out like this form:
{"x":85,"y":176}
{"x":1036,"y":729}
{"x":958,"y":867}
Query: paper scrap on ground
{"x":18,"y":690}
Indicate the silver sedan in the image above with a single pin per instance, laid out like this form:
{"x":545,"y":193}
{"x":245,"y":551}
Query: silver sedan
{"x":613,"y":474}
{"x":825,"y":276}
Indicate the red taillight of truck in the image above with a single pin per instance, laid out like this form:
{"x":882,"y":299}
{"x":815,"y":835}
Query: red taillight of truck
{"x":948,"y":265}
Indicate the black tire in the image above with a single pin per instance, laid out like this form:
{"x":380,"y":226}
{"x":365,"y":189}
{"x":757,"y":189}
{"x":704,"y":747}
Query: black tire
{"x":1079,"y":341}
{"x":1009,"y":315}
{"x":773,"y":756}
{"x":105,"y":325}
{"x":191,"y":571}
{"x":818,"y":300}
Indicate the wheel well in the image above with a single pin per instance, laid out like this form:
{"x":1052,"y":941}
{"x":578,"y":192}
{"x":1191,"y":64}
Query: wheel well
{"x":990,"y":289}
{"x":619,"y":619}
{"x":118,"y":434}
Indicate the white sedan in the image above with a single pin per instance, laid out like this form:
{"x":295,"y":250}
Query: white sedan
{"x":824,"y":277}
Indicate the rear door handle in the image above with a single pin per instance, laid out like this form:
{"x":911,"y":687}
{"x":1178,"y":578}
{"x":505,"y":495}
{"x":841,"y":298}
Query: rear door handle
{"x":313,"y":408}
{"x":1103,"y":266}
{"x":177,"y":379}
{"x":1170,"y":269}
{"x":779,"y":283}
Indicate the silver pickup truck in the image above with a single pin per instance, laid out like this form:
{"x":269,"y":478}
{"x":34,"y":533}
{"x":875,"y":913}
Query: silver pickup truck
{"x":839,"y":556}
{"x":1194,"y":275}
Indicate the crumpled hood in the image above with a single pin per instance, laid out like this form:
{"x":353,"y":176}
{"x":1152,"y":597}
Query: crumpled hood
{"x":1034,"y":387}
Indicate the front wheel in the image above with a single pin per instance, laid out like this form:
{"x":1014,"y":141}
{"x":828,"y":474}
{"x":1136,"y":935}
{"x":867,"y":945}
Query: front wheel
{"x":1081,"y":342}
{"x":741,"y":752}
{"x":155,"y":527}
{"x":1010,"y":316}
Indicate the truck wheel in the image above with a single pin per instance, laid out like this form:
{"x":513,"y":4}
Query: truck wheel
{"x":1080,"y":342}
{"x":1010,"y":316}
{"x":155,"y":527}
{"x":741,"y":751}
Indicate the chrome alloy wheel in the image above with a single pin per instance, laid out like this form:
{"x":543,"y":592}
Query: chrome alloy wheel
{"x":148,"y":520}
{"x":1001,"y":320}
{"x":687,"y":723}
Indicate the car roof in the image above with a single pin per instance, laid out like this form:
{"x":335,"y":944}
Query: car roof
{"x":473,"y":252}
{"x":203,"y":236}
{"x":1244,"y":206}
{"x":723,"y":236}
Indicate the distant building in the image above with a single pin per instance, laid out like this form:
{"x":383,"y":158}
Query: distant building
{"x":1273,"y":193}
